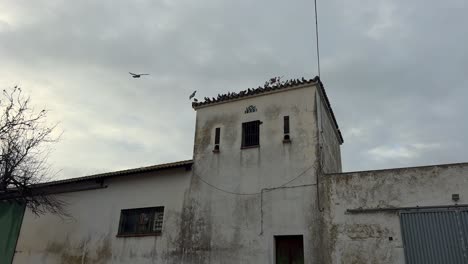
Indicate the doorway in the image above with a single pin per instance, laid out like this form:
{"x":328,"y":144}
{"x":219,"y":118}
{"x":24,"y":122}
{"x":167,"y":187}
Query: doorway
{"x":289,"y":249}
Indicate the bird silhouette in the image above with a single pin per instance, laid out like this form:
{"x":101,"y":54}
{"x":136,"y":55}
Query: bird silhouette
{"x":137,"y":75}
{"x":192,"y":95}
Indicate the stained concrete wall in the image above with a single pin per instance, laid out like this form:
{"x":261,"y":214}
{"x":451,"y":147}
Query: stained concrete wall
{"x":329,"y":140}
{"x":364,"y":238}
{"x":90,"y":235}
{"x":240,"y":228}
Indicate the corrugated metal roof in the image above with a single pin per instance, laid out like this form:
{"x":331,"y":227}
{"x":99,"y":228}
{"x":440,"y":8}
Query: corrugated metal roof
{"x":178,"y":164}
{"x":265,"y":89}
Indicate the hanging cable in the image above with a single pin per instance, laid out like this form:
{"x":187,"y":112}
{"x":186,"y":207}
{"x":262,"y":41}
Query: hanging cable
{"x":317,"y":38}
{"x":255,"y":193}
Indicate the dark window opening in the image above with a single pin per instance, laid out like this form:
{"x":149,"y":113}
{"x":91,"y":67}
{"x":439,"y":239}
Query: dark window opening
{"x":286,"y":125}
{"x":218,"y":132}
{"x":286,"y":137}
{"x":217,"y":136}
{"x":142,"y":221}
{"x":251,"y":134}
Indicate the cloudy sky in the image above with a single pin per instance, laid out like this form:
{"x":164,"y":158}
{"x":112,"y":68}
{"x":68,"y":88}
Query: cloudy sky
{"x":396,"y":72}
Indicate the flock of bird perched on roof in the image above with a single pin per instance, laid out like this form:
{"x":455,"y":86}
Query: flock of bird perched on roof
{"x":272,"y":84}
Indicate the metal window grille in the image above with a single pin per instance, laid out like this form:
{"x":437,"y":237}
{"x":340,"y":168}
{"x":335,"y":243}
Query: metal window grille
{"x":158,"y":221}
{"x":286,"y":125}
{"x":251,"y":134}
{"x":141,"y":221}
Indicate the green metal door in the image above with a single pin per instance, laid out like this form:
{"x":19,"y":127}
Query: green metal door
{"x":11,"y":217}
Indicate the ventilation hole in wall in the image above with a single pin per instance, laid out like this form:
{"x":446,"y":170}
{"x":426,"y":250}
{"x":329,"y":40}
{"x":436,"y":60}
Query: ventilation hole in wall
{"x":216,"y":148}
{"x":390,"y":238}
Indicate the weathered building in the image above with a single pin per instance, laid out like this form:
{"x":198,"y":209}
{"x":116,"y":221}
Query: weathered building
{"x":264,"y":186}
{"x":379,"y":216}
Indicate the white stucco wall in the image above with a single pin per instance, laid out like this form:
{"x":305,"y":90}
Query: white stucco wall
{"x":364,"y":237}
{"x":90,"y":236}
{"x":231,"y":229}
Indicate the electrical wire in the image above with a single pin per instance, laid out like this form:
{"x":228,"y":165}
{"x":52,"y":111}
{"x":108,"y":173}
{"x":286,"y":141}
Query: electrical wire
{"x":255,"y":193}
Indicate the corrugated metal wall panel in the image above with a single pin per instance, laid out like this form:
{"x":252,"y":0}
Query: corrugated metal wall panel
{"x":434,"y":237}
{"x":464,"y":227}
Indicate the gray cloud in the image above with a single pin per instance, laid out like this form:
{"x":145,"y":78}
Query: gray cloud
{"x":394,"y":70}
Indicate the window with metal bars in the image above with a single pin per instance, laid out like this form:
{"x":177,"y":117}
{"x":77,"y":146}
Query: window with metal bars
{"x":251,"y":134}
{"x":141,"y":221}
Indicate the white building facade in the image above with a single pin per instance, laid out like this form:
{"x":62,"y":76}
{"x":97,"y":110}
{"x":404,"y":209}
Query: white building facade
{"x":265,"y":186}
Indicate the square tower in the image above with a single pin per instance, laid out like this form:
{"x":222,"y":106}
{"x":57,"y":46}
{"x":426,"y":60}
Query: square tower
{"x":257,"y":157}
{"x":271,"y":132}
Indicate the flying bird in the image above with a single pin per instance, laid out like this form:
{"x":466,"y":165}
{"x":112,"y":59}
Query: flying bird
{"x":192,"y":95}
{"x":137,"y":75}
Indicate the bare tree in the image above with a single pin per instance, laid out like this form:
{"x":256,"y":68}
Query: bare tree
{"x":25,"y":137}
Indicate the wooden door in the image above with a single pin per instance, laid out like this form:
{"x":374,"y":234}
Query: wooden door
{"x":289,"y":250}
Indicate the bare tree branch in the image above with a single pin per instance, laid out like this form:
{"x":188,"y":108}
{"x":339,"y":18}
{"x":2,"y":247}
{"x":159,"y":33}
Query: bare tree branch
{"x":24,"y":139}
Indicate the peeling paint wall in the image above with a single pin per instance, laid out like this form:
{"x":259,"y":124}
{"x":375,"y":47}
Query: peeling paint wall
{"x":241,"y":228}
{"x":364,"y":238}
{"x":90,"y":236}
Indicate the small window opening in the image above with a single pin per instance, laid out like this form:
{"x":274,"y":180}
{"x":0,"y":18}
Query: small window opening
{"x":286,"y":137}
{"x":251,"y":134}
{"x":217,"y":137}
{"x":286,"y":125}
{"x":141,"y":222}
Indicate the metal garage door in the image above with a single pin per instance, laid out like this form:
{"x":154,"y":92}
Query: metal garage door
{"x":435,"y":237}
